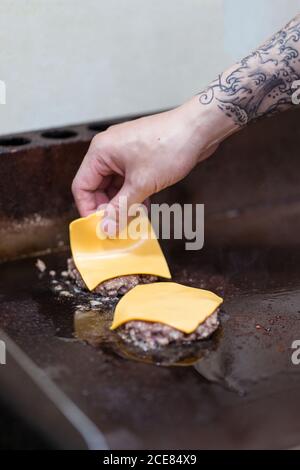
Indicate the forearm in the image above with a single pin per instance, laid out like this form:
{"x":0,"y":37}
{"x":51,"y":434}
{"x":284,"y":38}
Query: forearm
{"x":261,"y":84}
{"x":139,"y":158}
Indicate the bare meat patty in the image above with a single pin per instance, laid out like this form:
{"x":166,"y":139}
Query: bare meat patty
{"x":113,"y":287}
{"x":149,"y":336}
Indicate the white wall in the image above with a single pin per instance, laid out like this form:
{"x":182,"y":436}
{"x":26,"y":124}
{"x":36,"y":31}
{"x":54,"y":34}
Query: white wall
{"x":69,"y":61}
{"x":248,"y":23}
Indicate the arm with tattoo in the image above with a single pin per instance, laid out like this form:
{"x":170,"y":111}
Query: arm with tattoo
{"x":133,"y":160}
{"x":261,"y":84}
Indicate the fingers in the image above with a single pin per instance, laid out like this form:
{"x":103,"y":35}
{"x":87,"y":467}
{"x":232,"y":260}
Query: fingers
{"x":107,"y":177}
{"x":116,"y":214}
{"x":89,"y":184}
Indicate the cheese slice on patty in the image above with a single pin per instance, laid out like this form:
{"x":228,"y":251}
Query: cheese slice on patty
{"x":99,"y":258}
{"x":181,"y":307}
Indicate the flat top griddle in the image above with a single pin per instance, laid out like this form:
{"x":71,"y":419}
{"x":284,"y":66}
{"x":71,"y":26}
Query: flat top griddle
{"x":242,"y":395}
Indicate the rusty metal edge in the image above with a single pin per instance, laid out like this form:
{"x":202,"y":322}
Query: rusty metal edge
{"x":84,"y":131}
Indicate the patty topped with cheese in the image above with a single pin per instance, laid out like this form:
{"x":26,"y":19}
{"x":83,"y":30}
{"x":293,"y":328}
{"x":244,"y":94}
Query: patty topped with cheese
{"x":112,"y":287}
{"x":150,"y":336}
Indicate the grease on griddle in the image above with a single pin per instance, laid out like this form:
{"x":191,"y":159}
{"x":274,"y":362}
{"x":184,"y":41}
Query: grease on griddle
{"x":92,"y":326}
{"x":93,"y":315}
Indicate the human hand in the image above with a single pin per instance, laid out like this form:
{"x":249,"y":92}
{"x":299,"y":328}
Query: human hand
{"x":138,"y":158}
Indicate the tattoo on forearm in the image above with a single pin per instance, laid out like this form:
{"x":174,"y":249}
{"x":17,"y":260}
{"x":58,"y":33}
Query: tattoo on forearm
{"x":260,"y":84}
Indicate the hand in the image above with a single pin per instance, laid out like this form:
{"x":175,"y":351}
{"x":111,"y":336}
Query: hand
{"x":141,"y":157}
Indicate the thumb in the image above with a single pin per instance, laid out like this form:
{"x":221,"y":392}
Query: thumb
{"x":116,"y":212}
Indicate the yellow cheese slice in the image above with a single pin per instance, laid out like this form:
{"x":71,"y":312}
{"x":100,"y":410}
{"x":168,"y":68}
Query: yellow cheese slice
{"x":99,"y":258}
{"x":181,"y":307}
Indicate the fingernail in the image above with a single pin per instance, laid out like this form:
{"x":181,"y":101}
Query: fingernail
{"x":109,"y":226}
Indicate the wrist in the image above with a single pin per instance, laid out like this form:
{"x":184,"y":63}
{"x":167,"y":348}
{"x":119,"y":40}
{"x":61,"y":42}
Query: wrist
{"x":208,"y":123}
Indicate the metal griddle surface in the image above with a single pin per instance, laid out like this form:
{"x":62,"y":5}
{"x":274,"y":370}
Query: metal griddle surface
{"x":243,"y":395}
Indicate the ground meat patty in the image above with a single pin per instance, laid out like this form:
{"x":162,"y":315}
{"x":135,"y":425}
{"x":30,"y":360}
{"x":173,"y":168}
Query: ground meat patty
{"x":149,"y":336}
{"x":112,"y":287}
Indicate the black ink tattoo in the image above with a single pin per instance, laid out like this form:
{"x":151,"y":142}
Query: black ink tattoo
{"x":261,"y":83}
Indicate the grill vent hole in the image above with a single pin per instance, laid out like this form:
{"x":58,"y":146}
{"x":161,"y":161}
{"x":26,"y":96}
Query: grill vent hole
{"x":98,"y":127}
{"x":59,"y":134}
{"x":13,"y":141}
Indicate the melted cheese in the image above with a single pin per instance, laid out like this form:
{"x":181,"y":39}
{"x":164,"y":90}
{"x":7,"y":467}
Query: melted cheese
{"x":99,"y":258}
{"x":181,"y":307}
